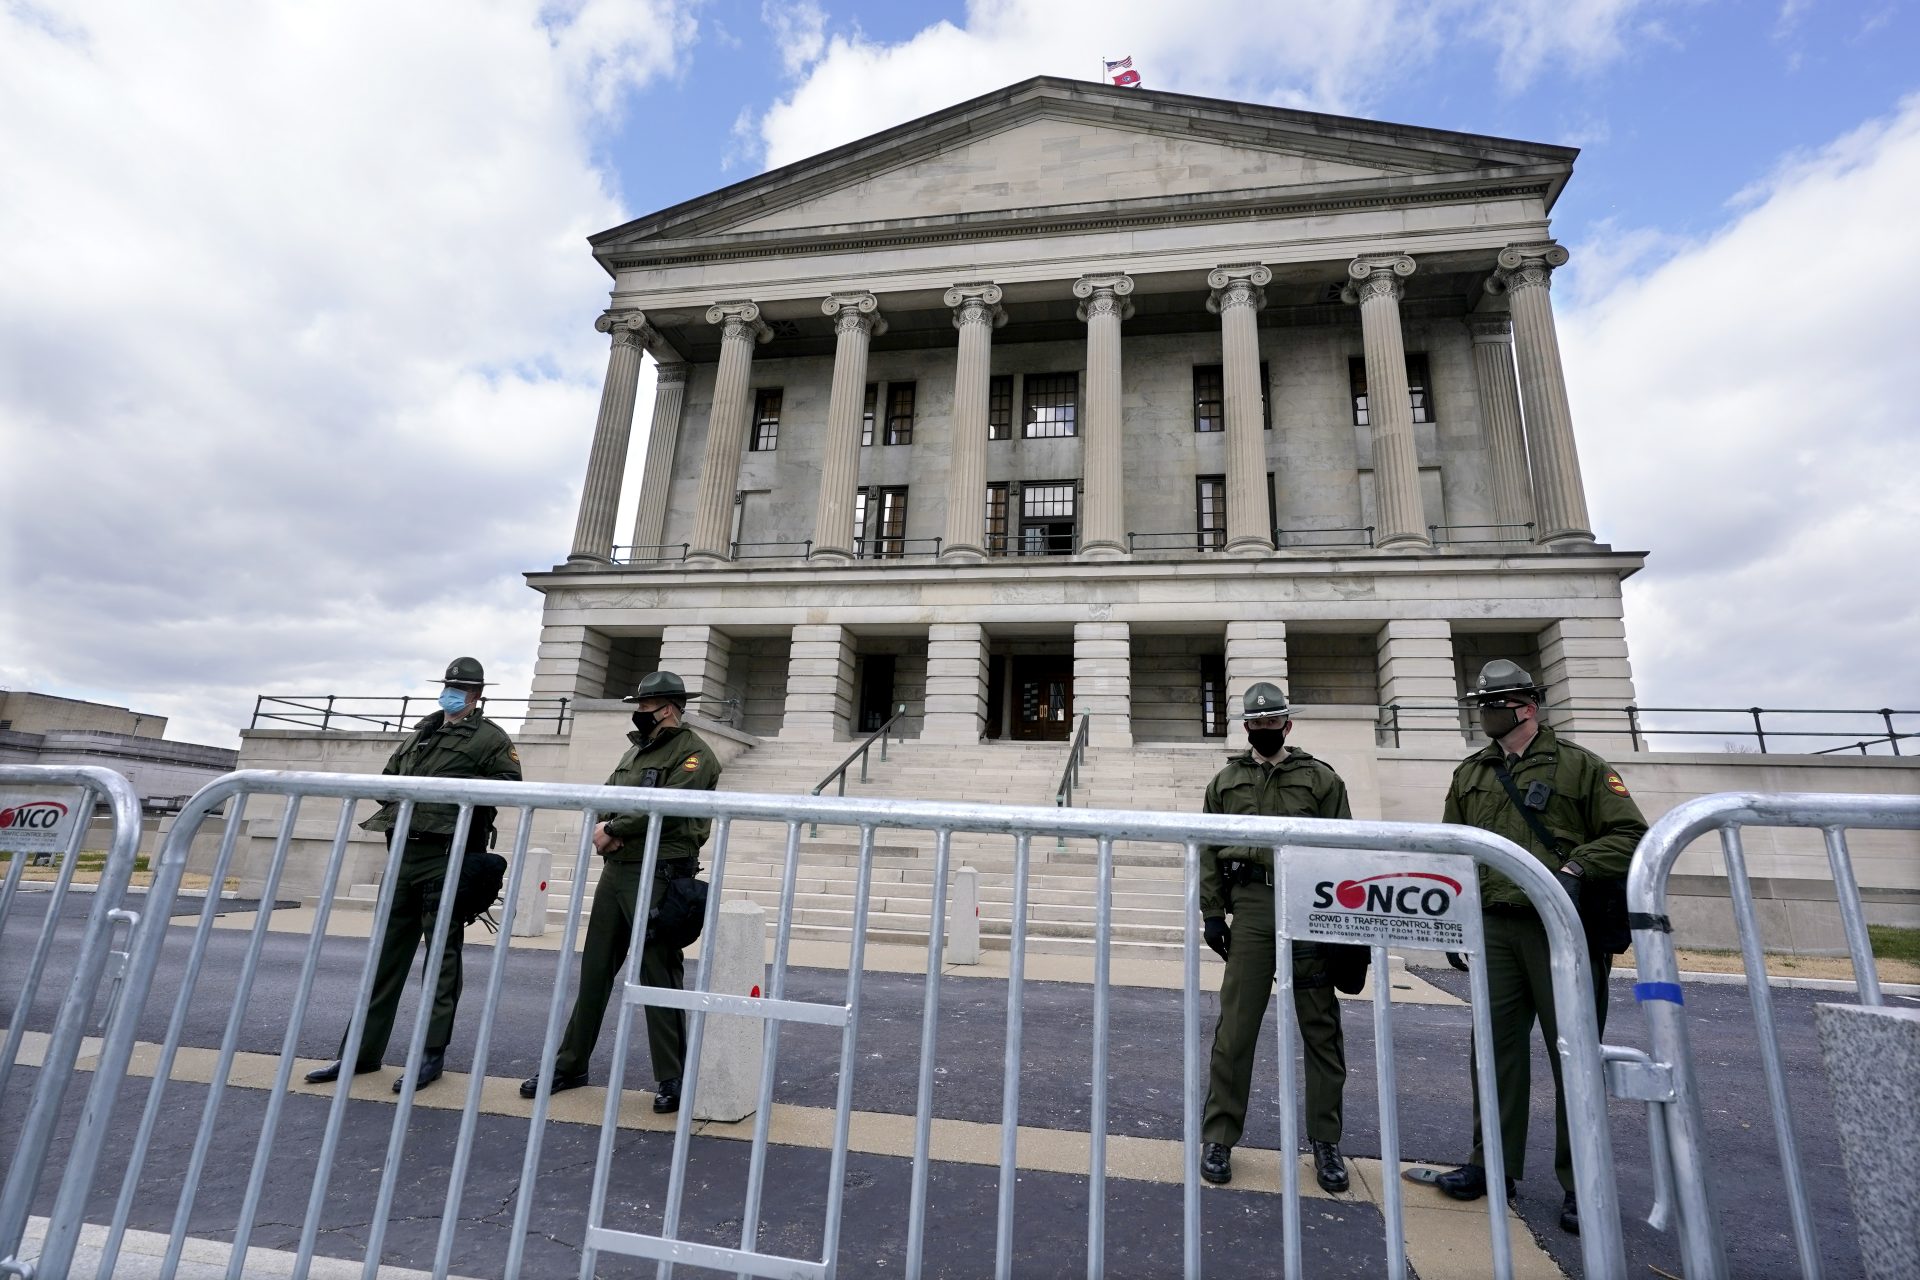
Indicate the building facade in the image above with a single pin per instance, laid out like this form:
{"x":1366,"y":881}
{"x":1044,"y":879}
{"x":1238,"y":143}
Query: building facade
{"x":1080,"y":400}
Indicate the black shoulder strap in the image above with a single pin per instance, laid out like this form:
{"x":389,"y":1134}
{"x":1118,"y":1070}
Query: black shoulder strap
{"x":1527,"y":815}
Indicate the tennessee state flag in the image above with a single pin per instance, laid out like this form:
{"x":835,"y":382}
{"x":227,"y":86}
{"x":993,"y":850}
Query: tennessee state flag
{"x":1123,"y":74}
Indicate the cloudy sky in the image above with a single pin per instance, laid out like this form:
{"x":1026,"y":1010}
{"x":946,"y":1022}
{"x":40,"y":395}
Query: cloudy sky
{"x":297,"y":368}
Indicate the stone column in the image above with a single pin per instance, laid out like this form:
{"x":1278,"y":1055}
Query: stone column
{"x":650,"y":518}
{"x":856,"y":321}
{"x":1103,"y":681}
{"x":956,"y":681}
{"x":1560,"y":500}
{"x":1416,"y":667}
{"x":607,"y":460}
{"x":700,"y":656}
{"x":741,"y":330}
{"x":1399,"y":519}
{"x":1500,"y":413}
{"x":819,"y":685}
{"x":976,"y":314}
{"x":1256,"y":651}
{"x":1103,"y":534}
{"x":1583,"y":663}
{"x":1237,"y":298}
{"x":571,"y":663}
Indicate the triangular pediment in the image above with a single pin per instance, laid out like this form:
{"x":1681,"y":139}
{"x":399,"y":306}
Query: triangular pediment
{"x":1058,"y":144}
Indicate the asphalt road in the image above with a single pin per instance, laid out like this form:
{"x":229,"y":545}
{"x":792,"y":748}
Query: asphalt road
{"x":1242,"y":1231}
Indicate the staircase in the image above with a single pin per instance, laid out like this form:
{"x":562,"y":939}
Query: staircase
{"x":1147,"y":897}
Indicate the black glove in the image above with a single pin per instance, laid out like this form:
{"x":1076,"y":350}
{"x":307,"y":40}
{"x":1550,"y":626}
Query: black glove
{"x":1570,"y":881}
{"x":1219,"y":937}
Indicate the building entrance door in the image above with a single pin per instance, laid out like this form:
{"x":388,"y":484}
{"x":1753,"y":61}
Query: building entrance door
{"x":876,"y":690}
{"x":1042,"y":698}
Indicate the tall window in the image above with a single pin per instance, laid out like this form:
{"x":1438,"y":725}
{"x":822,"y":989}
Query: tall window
{"x":866,"y":415}
{"x":1210,"y":511}
{"x":860,"y":522}
{"x":997,"y":519}
{"x":766,"y":419}
{"x":1419,"y":395}
{"x":1052,"y":405}
{"x":1000,"y":407}
{"x":1210,"y":398}
{"x":1047,"y":519}
{"x":892,"y":522}
{"x":1213,"y":695}
{"x":899,"y":413}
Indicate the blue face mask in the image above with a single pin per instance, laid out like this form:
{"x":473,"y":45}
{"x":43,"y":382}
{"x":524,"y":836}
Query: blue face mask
{"x":453,"y":702}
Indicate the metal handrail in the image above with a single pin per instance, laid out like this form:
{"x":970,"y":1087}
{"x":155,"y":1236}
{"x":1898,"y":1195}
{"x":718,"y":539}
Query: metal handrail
{"x":682,"y":547}
{"x":1434,"y":531}
{"x":1366,"y":529}
{"x":859,"y":753}
{"x":1070,"y":776}
{"x":805,"y":545}
{"x":1390,"y":723}
{"x":1191,"y":540}
{"x":1051,"y":545}
{"x":884,"y":548}
{"x":735,"y":707}
{"x":301,"y":710}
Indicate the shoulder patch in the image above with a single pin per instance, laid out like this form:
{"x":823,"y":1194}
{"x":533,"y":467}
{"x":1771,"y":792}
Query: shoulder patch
{"x":692,"y":763}
{"x":513,"y":754}
{"x":1615,"y":785}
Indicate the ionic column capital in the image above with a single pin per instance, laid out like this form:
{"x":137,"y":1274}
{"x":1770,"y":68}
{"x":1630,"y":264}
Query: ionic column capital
{"x":740,"y":320}
{"x":1498,"y":330}
{"x":1526,"y":266}
{"x":670,"y":375}
{"x":1238,"y":285}
{"x":628,"y":327}
{"x":857,"y":312}
{"x":976,"y":304}
{"x":1104,"y":295}
{"x":1376,"y":275}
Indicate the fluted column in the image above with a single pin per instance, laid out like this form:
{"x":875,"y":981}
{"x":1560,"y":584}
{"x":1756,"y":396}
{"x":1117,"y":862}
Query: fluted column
{"x":741,"y":330}
{"x":607,"y":459}
{"x":1500,"y":412}
{"x":976,"y":314}
{"x":1238,"y":294}
{"x":650,"y":517}
{"x":1103,"y":534}
{"x":856,"y":321}
{"x":1559,"y":498}
{"x":1399,"y":520}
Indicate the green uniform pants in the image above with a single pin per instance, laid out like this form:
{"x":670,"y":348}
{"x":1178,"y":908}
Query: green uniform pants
{"x":609,"y":935}
{"x":1520,"y":988}
{"x":416,"y":905}
{"x":1244,"y":994}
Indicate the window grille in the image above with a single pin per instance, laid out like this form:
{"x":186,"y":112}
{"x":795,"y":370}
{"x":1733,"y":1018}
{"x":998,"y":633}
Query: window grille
{"x":766,"y":419}
{"x":1419,"y":396}
{"x":1000,"y":407}
{"x":1052,"y":405}
{"x":900,"y":413}
{"x":1210,"y":398}
{"x":1210,"y":511}
{"x":866,"y":415}
{"x":997,"y":519}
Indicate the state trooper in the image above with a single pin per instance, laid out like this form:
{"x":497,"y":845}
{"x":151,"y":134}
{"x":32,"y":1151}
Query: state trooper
{"x":454,"y":742}
{"x":1570,"y":809}
{"x":664,"y":753}
{"x":1270,"y":779}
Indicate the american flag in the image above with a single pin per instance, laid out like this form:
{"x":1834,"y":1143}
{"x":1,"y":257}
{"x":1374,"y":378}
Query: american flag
{"x":1122,"y":73}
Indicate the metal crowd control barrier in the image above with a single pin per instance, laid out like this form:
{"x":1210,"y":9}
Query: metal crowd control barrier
{"x":58,"y":803}
{"x":1297,"y":842}
{"x":1659,"y":991}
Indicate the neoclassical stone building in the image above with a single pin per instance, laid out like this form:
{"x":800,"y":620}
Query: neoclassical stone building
{"x":1072,"y":399}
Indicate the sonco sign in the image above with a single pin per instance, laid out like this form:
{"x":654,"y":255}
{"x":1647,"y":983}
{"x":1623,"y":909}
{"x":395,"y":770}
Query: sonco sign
{"x":1391,"y":899}
{"x":34,"y":822}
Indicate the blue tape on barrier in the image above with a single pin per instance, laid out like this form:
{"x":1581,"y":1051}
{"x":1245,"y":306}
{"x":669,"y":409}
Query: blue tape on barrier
{"x":1668,"y":991}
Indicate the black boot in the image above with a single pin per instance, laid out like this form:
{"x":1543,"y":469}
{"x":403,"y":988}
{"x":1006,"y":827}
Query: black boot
{"x":331,"y":1072}
{"x":1328,"y":1169}
{"x":1216,"y":1163}
{"x":562,"y":1081}
{"x":432,"y":1063}
{"x":667,"y":1097}
{"x":1468,"y":1182}
{"x":1570,"y":1215}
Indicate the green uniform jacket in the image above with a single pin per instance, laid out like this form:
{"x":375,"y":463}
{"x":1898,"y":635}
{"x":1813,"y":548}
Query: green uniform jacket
{"x":1297,"y":786}
{"x":677,"y":758}
{"x":1593,"y":819}
{"x":473,"y":747}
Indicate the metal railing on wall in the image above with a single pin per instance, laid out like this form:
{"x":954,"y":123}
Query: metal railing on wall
{"x":1643,"y":724}
{"x":655,"y":553}
{"x":895,"y":548}
{"x":353,"y":713}
{"x":777,"y":549}
{"x":1358,"y":536}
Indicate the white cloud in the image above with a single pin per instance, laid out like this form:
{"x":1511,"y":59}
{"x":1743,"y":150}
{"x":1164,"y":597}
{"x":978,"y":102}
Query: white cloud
{"x":1745,"y":412}
{"x":296,"y":369}
{"x":798,"y":28}
{"x":1328,"y":55}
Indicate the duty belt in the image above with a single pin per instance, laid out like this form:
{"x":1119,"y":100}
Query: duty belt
{"x":1240,"y":872}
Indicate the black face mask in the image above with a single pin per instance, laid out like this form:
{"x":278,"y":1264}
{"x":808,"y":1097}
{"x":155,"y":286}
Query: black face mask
{"x":1267,"y":742}
{"x":650,"y":723}
{"x":1498,"y":722}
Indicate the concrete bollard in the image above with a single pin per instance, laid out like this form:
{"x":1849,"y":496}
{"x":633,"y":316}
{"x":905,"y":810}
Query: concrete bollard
{"x":530,"y":911}
{"x":963,"y":918}
{"x":729,"y":1084}
{"x":1873,"y":1061}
